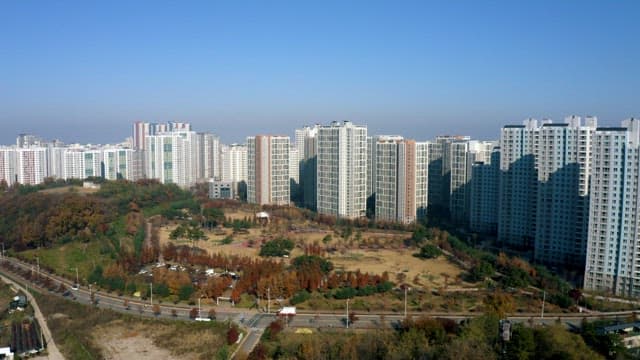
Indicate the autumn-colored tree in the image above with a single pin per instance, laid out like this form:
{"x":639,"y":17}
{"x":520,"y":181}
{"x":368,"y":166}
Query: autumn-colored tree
{"x":232,"y":335}
{"x":156,"y":309}
{"x":212,"y":314}
{"x":193,"y":313}
{"x":499,"y":303}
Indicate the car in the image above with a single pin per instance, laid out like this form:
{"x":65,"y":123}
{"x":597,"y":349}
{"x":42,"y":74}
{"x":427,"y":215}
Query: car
{"x":66,"y":293}
{"x":75,"y":287}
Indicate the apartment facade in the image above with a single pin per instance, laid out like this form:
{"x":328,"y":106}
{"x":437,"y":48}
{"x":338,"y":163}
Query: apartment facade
{"x":268,"y":170}
{"x":613,"y":254}
{"x":401,"y":185}
{"x":171,"y":158}
{"x":342,"y":170}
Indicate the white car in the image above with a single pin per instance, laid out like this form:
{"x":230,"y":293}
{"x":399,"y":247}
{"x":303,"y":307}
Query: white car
{"x":75,"y":287}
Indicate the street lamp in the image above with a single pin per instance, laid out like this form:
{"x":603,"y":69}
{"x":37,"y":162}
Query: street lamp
{"x":77,"y":277}
{"x":151,"y":288}
{"x":405,"y":300}
{"x":347,"y":313}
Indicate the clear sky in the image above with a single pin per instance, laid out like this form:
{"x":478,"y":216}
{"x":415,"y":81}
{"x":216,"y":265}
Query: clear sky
{"x":84,"y":71}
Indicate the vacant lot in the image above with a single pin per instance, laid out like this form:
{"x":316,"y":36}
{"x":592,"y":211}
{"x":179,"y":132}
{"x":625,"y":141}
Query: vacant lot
{"x":374,"y":252}
{"x":84,"y":332}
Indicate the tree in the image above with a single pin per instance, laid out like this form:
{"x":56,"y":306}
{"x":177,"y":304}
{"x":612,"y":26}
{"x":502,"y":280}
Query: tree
{"x":212,"y":314}
{"x":193,"y":313}
{"x":185,"y":292}
{"x":232,"y":335}
{"x":353,"y":317}
{"x":499,"y":303}
{"x":156,"y":309}
{"x":428,"y":251}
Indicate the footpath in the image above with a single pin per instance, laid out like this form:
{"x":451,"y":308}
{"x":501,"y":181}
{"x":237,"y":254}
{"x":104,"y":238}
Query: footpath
{"x":53,"y":352}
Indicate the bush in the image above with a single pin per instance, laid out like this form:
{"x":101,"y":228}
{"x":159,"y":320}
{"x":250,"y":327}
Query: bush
{"x":345,"y":293}
{"x":232,"y":335}
{"x":300,"y":296}
{"x":480,"y":271}
{"x":185,"y":292}
{"x":227,"y":240}
{"x":277,"y":247}
{"x":428,"y":252}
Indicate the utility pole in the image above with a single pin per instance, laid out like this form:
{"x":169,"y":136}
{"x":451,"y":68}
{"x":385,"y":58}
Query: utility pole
{"x":347,"y":313}
{"x":544,"y":297}
{"x":405,"y":301}
{"x":151,"y":287}
{"x":77,"y":277}
{"x":199,"y":311}
{"x":268,"y":300}
{"x":38,"y":265}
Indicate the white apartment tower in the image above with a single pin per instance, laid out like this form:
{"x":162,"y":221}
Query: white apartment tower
{"x":119,"y":164}
{"x":306,"y":143}
{"x":563,"y":165}
{"x":8,"y":165}
{"x":208,"y":156}
{"x":342,"y":170}
{"x":518,"y":184}
{"x":613,"y":251}
{"x":233,"y":163}
{"x":31,"y":165}
{"x":401,"y":186}
{"x":268,"y":170}
{"x":483,"y":194}
{"x":463,"y":154}
{"x":171,"y":157}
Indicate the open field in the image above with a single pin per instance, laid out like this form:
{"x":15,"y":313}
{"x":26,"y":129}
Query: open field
{"x":65,"y":258}
{"x":83,"y":332}
{"x":375,"y":252}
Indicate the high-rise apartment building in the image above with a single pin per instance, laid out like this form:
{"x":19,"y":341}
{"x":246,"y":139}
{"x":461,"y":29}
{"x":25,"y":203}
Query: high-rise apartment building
{"x":463,"y":154}
{"x":118,"y":163}
{"x":171,"y":157}
{"x":234,"y":163}
{"x":342,"y":170}
{"x":306,"y":143}
{"x":140,"y":131}
{"x":372,"y":157}
{"x":31,"y":165}
{"x":613,"y":253}
{"x":268,"y":170}
{"x":440,"y":170}
{"x":401,"y":186}
{"x":208,"y":156}
{"x":484,"y":192}
{"x":563,"y":165}
{"x":8,"y":171}
{"x":518,"y":184}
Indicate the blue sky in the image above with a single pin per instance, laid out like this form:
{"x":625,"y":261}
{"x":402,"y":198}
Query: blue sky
{"x":84,"y":71}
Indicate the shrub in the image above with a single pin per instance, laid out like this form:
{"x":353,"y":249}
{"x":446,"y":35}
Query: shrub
{"x":300,"y":296}
{"x":428,"y":252}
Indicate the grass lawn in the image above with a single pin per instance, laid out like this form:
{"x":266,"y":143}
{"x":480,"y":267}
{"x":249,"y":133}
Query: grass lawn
{"x":64,"y":259}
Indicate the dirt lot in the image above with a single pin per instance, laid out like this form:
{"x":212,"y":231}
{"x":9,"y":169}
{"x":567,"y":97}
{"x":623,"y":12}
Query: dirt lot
{"x":373,"y":251}
{"x":119,"y":342}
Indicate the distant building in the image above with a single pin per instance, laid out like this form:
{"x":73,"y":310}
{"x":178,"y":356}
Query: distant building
{"x":401,"y":186}
{"x":171,"y":157}
{"x":222,"y":190}
{"x":307,"y":145}
{"x":233,"y":163}
{"x":268,"y":170}
{"x":463,"y":155}
{"x":342,"y":170}
{"x":483,"y":195}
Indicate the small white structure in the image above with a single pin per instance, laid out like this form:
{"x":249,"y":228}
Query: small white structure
{"x":222,"y":189}
{"x":287,"y":311}
{"x":262,"y":217}
{"x":5,"y":353}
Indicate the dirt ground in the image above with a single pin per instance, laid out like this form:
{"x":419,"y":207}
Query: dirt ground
{"x":391,"y":256}
{"x":120,"y":342}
